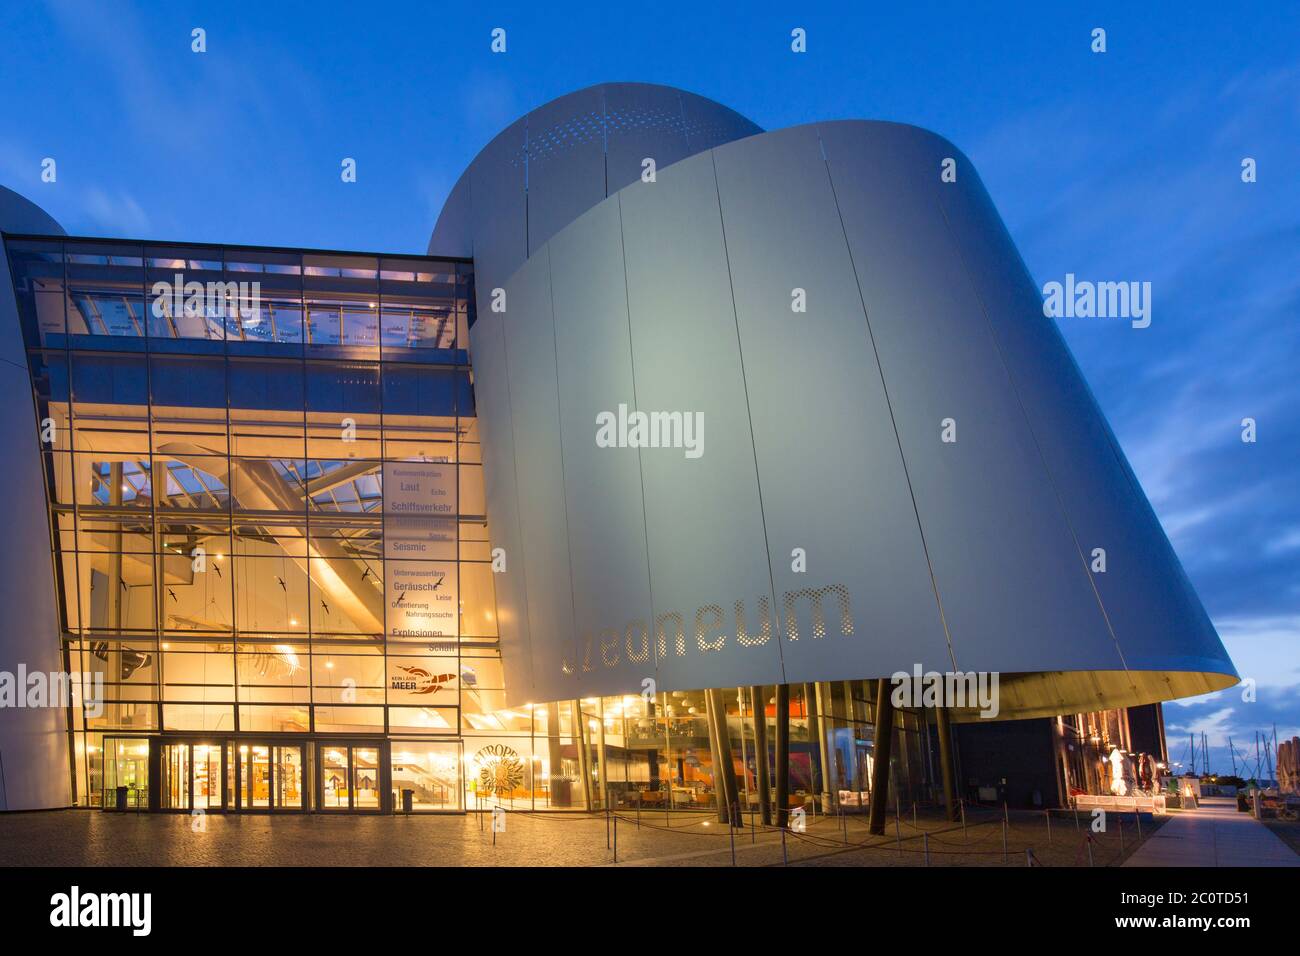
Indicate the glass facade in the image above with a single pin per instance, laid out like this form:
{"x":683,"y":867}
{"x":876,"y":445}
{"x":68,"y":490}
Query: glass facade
{"x":270,"y":539}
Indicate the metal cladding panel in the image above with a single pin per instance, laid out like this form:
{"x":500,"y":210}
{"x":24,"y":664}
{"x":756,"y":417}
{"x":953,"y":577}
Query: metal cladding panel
{"x":566,"y":162}
{"x":455,"y":227}
{"x":705,"y":525}
{"x":564,"y":157}
{"x":534,"y":413}
{"x":33,"y":740}
{"x":832,"y":478}
{"x":1156,"y":616}
{"x":607,"y":532}
{"x":642,"y":121}
{"x":709,"y":124}
{"x":496,"y":434}
{"x":499,"y":208}
{"x":1016,"y":591}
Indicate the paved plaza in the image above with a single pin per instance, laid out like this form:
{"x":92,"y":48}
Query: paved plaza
{"x":94,"y":838}
{"x":1216,"y":834}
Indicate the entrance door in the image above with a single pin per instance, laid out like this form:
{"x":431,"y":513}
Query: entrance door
{"x":193,"y":777}
{"x":254,"y":777}
{"x":271,"y":776}
{"x":207,"y":791}
{"x":351,"y":776}
{"x":288,"y":777}
{"x":175,"y":790}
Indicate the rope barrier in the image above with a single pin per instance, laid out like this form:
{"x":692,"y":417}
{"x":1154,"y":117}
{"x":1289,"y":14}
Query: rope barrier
{"x":1102,"y":849}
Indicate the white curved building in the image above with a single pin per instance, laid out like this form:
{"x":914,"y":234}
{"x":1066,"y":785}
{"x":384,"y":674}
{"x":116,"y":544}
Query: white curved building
{"x":831,"y":309}
{"x":755,"y":421}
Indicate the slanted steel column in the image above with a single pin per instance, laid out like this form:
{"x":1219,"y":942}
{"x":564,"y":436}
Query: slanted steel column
{"x":715,"y":749}
{"x":884,"y":733}
{"x":758,"y":697}
{"x":782,"y":754}
{"x":728,"y":768}
{"x":823,"y":699}
{"x":584,"y":755}
{"x":946,"y":767}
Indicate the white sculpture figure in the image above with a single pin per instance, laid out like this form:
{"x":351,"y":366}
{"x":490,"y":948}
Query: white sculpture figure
{"x":1117,"y":784}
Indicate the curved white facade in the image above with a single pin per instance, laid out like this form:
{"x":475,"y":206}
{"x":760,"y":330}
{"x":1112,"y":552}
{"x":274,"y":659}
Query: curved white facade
{"x":823,"y":435}
{"x":33,"y":741}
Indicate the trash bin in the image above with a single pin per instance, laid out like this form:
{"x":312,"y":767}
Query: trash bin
{"x":121,"y":799}
{"x":408,"y":801}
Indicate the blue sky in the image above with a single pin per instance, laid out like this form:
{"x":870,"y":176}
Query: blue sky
{"x":1124,"y":165}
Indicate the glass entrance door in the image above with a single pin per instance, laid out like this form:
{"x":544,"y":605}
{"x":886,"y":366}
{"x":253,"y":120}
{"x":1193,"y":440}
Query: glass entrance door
{"x":255,"y":777}
{"x":192,"y":776}
{"x":207,"y":792}
{"x":365,"y":778}
{"x":271,"y":776}
{"x":350,"y":776}
{"x":175,"y":791}
{"x":288,"y":777}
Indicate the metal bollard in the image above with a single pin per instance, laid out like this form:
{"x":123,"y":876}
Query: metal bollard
{"x":1048,"y":813}
{"x":1090,"y":849}
{"x":785,"y":860}
{"x":925,"y":841}
{"x":616,"y":839}
{"x":1004,"y":841}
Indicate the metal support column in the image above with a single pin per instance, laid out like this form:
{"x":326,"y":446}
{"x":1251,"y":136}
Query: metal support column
{"x":947,"y":770}
{"x":884,"y":736}
{"x":782,"y":754}
{"x":758,"y":695}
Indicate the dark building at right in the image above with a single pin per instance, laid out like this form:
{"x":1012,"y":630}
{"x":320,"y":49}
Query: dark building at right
{"x":1049,"y":761}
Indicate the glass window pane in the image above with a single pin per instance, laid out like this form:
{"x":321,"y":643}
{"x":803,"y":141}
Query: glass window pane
{"x":37,"y":271}
{"x":105,"y":293}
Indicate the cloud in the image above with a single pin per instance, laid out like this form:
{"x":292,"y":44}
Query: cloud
{"x":116,"y":214}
